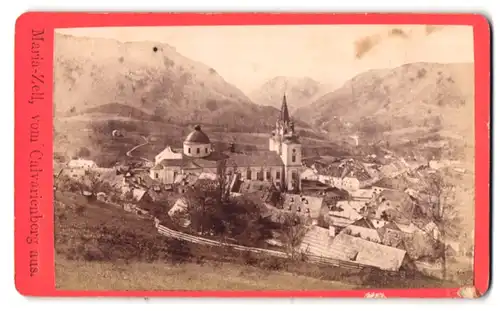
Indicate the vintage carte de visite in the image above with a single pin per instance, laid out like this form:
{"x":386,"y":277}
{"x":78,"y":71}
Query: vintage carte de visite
{"x":252,"y":155}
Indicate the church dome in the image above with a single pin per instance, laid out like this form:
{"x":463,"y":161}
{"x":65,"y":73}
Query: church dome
{"x":197,"y":137}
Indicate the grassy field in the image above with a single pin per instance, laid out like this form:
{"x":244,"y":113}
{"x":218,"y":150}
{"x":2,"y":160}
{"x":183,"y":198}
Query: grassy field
{"x":81,"y":275}
{"x":99,"y":247}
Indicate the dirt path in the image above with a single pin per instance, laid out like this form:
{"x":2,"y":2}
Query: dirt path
{"x":129,"y":153}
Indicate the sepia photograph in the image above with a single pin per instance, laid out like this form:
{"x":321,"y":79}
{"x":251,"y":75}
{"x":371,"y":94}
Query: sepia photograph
{"x":286,"y":157}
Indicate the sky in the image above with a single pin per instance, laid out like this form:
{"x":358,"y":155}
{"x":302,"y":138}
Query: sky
{"x":248,"y":56}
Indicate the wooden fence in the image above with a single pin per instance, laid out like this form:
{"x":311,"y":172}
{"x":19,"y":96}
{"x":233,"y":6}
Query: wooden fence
{"x":309,"y":258}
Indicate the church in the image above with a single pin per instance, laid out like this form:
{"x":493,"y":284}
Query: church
{"x":281,"y":164}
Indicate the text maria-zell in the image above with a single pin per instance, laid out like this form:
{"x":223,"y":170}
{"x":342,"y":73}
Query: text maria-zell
{"x":36,"y":154}
{"x":37,"y":76}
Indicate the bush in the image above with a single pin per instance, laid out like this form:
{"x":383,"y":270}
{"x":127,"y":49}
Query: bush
{"x":179,"y":250}
{"x":80,"y":209}
{"x":249,"y":258}
{"x":273,"y":263}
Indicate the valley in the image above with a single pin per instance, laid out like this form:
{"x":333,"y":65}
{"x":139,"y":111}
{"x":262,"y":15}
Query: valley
{"x":164,"y":169}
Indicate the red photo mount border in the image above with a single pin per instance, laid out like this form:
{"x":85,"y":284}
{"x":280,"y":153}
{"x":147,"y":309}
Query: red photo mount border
{"x":34,"y":222}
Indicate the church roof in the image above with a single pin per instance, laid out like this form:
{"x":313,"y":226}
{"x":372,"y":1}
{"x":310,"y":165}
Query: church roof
{"x":284,"y":115}
{"x":169,"y":162}
{"x":291,"y":140}
{"x":197,"y":136}
{"x":250,"y":159}
{"x":255,"y":158}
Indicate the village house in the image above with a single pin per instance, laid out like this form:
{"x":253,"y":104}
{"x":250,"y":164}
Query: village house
{"x":363,"y":195}
{"x":78,"y":167}
{"x":363,"y":232}
{"x":395,"y":205}
{"x":348,"y":174}
{"x":309,"y":208}
{"x":320,"y":242}
{"x":178,"y":210}
{"x":281,"y":164}
{"x":343,"y":215}
{"x":81,"y":163}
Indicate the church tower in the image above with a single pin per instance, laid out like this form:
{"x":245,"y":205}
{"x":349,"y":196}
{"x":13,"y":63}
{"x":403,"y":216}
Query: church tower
{"x":285,"y":142}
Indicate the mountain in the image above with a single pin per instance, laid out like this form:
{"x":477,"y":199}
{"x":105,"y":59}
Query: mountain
{"x":300,"y":92}
{"x":147,"y":80}
{"x":409,"y":102}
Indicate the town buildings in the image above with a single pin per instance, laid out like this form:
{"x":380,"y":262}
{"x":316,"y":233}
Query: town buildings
{"x":281,"y":164}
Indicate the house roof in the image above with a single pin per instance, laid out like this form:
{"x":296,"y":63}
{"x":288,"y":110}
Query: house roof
{"x":179,"y":206}
{"x":318,"y":242}
{"x":157,"y":167}
{"x":172,"y":162}
{"x":207,"y":175}
{"x":364,"y":222}
{"x":390,"y":237}
{"x":303,"y":204}
{"x":358,"y":206}
{"x":340,"y":221}
{"x":80,"y":162}
{"x":343,"y":209}
{"x":362,"y":193}
{"x":391,"y":225}
{"x":308,"y":173}
{"x":368,"y":253}
{"x":363,"y":232}
{"x":345,"y":168}
{"x":409,"y":228}
{"x":190,"y":179}
{"x":138,"y":194}
{"x":378,"y":223}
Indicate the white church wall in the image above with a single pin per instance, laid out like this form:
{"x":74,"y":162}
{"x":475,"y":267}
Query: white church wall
{"x":197,"y":150}
{"x":167,"y":154}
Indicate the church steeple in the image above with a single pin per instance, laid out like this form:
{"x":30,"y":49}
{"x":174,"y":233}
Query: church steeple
{"x":284,"y":116}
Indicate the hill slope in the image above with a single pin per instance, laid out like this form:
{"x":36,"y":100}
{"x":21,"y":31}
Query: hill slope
{"x":101,"y":247}
{"x":418,"y":97}
{"x":102,"y":75}
{"x":300,"y":92}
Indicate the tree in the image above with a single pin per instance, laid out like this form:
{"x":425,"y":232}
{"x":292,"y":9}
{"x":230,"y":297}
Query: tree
{"x":200,"y":203}
{"x":242,"y":220}
{"x":91,"y":181}
{"x":224,"y":178}
{"x":293,"y":231}
{"x":83,"y":152}
{"x":441,"y":199}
